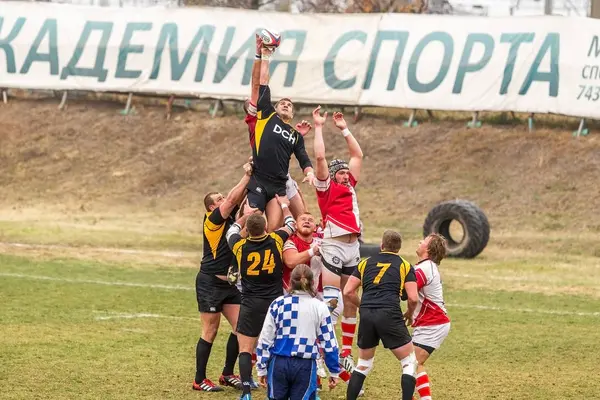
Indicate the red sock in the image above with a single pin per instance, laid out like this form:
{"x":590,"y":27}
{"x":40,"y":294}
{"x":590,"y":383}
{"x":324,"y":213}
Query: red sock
{"x":253,"y":359}
{"x":423,"y":386}
{"x":345,"y":376}
{"x":348,"y":330}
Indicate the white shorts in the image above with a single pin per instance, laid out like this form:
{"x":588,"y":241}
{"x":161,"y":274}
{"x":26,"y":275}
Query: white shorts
{"x":291,"y":187}
{"x":339,"y":257}
{"x":432,"y":335}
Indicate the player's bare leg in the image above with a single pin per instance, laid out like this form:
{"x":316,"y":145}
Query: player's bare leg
{"x":331,"y":288}
{"x":364,"y":366}
{"x":297,"y":205}
{"x":210,"y":327}
{"x":422,"y":377}
{"x":247,"y":345}
{"x":406,"y":355}
{"x":348,"y":329}
{"x":274,"y":215}
{"x":228,"y":378}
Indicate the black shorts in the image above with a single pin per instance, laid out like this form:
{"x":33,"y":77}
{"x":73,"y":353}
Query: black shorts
{"x":212,"y":293}
{"x":261,"y":191}
{"x":383,"y":324}
{"x":252,"y":316}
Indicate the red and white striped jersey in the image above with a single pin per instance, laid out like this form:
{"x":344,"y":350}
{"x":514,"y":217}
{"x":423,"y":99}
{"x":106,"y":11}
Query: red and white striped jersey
{"x":339,"y":207}
{"x":431,"y":309}
{"x":298,"y":244}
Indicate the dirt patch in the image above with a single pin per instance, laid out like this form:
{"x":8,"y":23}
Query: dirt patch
{"x":90,"y":160}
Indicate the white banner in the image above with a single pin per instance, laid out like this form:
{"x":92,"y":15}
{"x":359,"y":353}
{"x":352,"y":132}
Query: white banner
{"x":533,"y":64}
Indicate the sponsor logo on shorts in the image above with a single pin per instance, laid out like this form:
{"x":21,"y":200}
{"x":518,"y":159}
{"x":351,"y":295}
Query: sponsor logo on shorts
{"x":336,"y":260}
{"x":259,"y":189}
{"x":212,"y":309}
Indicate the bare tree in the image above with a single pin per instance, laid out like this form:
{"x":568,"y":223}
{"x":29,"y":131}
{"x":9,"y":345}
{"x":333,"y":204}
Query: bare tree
{"x":362,"y":6}
{"x":246,"y":4}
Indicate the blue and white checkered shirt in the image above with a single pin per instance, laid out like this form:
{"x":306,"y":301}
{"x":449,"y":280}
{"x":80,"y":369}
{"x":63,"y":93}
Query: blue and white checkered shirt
{"x":297,"y":325}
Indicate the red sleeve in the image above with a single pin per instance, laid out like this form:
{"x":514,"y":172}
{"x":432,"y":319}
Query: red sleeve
{"x":421,"y":278}
{"x":251,"y":122}
{"x":290,"y":245}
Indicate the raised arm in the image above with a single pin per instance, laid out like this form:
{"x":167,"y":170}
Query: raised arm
{"x":255,"y":84}
{"x":304,"y":160}
{"x":237,"y":193}
{"x":263,"y":104}
{"x":356,"y":154}
{"x":289,"y":223}
{"x":322,"y":171}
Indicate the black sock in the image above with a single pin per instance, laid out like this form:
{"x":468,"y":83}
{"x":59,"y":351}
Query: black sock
{"x":231,"y":355}
{"x":245,"y":366}
{"x":408,"y":383}
{"x":202,"y":353}
{"x":355,"y":385}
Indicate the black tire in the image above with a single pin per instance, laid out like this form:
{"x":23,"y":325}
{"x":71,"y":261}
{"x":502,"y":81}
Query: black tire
{"x":474,"y":222}
{"x":368,"y":250}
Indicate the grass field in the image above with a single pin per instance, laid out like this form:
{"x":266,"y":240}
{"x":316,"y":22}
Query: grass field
{"x":100,"y":304}
{"x":525,"y":326}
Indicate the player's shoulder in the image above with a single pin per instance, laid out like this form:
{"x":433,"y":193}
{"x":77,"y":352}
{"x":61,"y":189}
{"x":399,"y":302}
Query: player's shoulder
{"x":426,"y":264}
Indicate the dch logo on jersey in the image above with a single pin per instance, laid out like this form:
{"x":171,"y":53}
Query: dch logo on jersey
{"x":285,"y":134}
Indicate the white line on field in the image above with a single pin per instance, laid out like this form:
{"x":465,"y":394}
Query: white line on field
{"x":177,"y":287}
{"x":96,"y":282}
{"x":139,"y":315}
{"x":525,"y":310}
{"x":174,"y":254}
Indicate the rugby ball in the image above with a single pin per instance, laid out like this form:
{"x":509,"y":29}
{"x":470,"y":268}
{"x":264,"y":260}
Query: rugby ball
{"x":270,"y":38}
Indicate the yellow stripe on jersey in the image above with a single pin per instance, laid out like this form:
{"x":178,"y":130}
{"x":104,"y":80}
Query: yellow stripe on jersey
{"x":278,"y":242}
{"x":361,"y":267}
{"x":213,"y":234}
{"x":237,"y":251}
{"x":404,"y":270}
{"x":259,"y":128}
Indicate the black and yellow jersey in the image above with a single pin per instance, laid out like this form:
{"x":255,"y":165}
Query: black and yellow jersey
{"x":383,"y":277}
{"x":274,"y":142}
{"x":217,"y":256}
{"x":260,"y":264}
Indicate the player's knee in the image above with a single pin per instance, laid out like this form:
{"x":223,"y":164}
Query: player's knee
{"x":209,"y":332}
{"x":409,"y":364}
{"x":364,"y":366}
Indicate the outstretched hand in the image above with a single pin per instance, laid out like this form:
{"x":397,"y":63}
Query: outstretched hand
{"x":319,"y":120}
{"x":303,"y":127}
{"x":340,"y":122}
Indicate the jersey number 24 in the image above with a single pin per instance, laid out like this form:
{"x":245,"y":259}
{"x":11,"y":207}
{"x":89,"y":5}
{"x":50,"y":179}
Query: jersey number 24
{"x":268,"y":263}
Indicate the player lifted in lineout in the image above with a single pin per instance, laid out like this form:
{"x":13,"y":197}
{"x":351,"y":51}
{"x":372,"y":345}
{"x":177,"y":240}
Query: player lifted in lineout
{"x":260,"y":264}
{"x":294,"y":194}
{"x":340,"y":248}
{"x":273,"y":144}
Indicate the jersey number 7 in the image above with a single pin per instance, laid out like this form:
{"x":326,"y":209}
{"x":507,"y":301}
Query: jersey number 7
{"x":384,"y":267}
{"x":268,"y":263}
